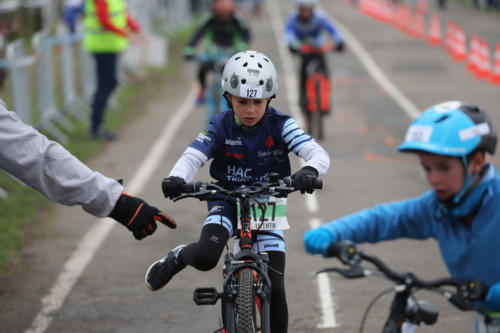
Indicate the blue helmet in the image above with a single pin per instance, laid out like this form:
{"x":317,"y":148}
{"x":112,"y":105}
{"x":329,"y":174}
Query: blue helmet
{"x":451,"y":128}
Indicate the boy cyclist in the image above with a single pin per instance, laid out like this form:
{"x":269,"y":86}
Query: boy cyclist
{"x":461,"y":210}
{"x":307,"y":24}
{"x":221,"y":28}
{"x":246,"y":143}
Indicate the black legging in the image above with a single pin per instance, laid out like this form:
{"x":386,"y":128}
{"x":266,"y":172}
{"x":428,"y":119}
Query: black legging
{"x":204,"y":255}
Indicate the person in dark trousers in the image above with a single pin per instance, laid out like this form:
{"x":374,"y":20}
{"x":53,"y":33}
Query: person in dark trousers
{"x":107,"y":25}
{"x":50,"y":169}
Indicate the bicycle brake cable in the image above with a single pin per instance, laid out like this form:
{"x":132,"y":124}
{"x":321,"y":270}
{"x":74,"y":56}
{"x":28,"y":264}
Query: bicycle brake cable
{"x":370,"y":305}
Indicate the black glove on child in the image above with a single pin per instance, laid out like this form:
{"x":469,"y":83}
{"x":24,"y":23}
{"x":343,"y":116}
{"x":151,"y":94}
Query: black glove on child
{"x":138,"y":216}
{"x":305,"y":178}
{"x":172,"y":186}
{"x":339,"y":47}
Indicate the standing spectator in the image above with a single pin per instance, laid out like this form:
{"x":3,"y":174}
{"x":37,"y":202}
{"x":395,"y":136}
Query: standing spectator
{"x":72,"y":10}
{"x":107,"y":27}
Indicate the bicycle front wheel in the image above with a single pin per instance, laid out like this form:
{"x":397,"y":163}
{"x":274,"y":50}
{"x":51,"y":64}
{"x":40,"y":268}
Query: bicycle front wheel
{"x":246,"y":312}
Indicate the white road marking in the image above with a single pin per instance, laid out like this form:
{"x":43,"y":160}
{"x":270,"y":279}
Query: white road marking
{"x":376,"y":73}
{"x":290,"y":82}
{"x":93,"y":239}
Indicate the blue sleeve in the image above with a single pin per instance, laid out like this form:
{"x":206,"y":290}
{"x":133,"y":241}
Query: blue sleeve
{"x":206,"y":141}
{"x":290,"y":35}
{"x":294,"y":136}
{"x":409,"y":218}
{"x":332,"y":30}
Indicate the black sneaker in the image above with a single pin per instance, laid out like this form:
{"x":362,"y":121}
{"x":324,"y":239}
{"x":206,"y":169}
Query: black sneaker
{"x":161,"y":271}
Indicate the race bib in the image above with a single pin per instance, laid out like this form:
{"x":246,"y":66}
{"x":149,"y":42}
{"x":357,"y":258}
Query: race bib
{"x":274,"y":211}
{"x":250,"y":91}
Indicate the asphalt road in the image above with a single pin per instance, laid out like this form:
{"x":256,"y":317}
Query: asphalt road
{"x":109,"y":295}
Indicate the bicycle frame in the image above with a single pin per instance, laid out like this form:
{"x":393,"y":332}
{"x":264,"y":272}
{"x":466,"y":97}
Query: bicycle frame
{"x":315,"y":94}
{"x":216,"y":103}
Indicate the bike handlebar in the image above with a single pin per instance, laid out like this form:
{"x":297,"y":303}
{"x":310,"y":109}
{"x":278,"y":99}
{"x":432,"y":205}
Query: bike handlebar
{"x":466,"y":290}
{"x":276,"y":187}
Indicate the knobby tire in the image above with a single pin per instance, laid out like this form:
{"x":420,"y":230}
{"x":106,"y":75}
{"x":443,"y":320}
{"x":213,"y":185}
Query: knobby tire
{"x":246,"y":316}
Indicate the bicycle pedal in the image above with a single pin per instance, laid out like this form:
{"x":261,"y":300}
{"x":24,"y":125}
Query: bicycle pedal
{"x":205,"y":296}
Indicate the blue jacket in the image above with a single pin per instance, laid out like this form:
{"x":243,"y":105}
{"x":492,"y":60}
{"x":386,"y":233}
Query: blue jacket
{"x":468,"y":252}
{"x":312,"y":31}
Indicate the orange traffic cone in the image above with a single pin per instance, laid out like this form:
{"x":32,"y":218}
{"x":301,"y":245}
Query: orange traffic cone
{"x":450,"y":36}
{"x":495,"y":73}
{"x":422,"y":6}
{"x":459,"y":47}
{"x":474,"y":54}
{"x":418,"y":25}
{"x":434,"y":30}
{"x":484,"y":70}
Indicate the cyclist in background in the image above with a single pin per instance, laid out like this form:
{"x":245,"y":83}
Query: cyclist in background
{"x":50,"y":169}
{"x":308,"y":24}
{"x":246,"y":143}
{"x":461,"y":210}
{"x":220,"y":28}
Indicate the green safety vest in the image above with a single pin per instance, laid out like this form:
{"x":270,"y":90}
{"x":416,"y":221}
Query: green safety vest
{"x":96,"y":38}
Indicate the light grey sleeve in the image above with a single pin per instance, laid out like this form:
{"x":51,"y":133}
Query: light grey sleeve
{"x":47,"y":167}
{"x":188,"y":165}
{"x":315,"y":156}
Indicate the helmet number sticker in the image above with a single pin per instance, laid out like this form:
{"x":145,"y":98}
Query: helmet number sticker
{"x":474,"y":131}
{"x":250,"y":91}
{"x":419,"y":133}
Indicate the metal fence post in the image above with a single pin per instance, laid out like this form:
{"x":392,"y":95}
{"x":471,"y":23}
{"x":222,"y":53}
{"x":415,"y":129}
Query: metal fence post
{"x":44,"y":70}
{"x":21,"y":94}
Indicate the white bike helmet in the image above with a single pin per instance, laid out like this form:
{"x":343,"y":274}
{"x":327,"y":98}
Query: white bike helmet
{"x":250,"y":74}
{"x":305,"y":3}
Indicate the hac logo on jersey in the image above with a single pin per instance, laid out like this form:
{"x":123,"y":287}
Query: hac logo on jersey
{"x":269,"y":142}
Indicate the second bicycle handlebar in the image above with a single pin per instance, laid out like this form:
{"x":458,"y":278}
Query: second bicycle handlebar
{"x":467,"y":291}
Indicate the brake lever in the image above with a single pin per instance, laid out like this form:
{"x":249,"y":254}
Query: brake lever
{"x":352,"y":272}
{"x":199,"y":195}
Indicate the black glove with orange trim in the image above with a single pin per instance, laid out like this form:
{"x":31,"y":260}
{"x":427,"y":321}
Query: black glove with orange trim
{"x":138,"y":216}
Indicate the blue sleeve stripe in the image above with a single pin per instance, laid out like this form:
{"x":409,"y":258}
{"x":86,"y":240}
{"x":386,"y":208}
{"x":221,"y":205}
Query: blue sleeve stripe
{"x":294,"y":136}
{"x":296,"y":148}
{"x":289,"y":126}
{"x":299,"y":137}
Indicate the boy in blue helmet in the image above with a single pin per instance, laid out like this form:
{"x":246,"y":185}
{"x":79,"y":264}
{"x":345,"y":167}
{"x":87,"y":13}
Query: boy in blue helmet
{"x":461,"y":211}
{"x":245,"y":144}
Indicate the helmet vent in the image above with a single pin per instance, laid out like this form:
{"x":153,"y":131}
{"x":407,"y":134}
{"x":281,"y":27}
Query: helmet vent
{"x":261,"y":82}
{"x":243,"y":81}
{"x":245,"y":64}
{"x":266,"y":59}
{"x":444,"y":117}
{"x":237,"y":58}
{"x":259,"y":64}
{"x":252,"y":56}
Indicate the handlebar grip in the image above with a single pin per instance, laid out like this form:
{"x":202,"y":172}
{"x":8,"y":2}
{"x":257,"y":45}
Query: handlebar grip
{"x":344,"y":251}
{"x":318,"y":184}
{"x":191,"y":187}
{"x":335,"y":249}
